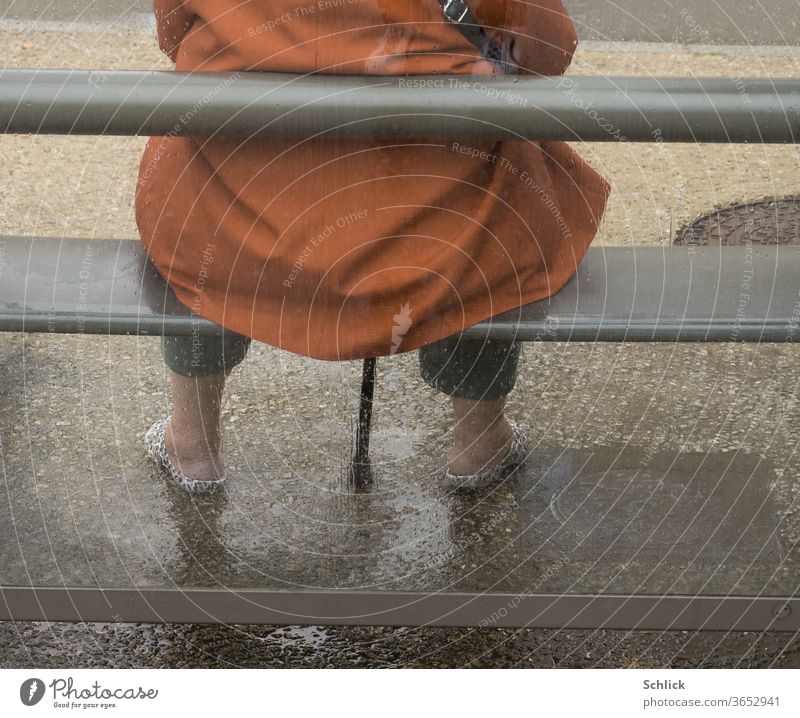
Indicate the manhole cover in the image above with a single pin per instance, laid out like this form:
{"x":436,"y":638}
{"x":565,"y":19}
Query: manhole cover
{"x":770,"y":222}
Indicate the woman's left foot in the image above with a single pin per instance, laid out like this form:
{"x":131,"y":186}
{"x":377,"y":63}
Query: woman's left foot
{"x":515,"y":455}
{"x":156,"y":446}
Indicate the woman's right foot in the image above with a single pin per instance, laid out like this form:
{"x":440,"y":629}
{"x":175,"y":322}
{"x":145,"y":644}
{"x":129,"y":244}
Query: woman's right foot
{"x":194,"y":477}
{"x":195,"y":459}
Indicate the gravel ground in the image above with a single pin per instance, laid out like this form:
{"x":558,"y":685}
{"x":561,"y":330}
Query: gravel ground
{"x":125,"y":646}
{"x":568,"y":395}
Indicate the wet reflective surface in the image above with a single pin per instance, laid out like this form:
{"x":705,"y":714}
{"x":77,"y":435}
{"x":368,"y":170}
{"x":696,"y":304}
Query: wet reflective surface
{"x":652,"y":470}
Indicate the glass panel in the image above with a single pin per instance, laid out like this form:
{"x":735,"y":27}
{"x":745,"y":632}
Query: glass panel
{"x":654,"y":469}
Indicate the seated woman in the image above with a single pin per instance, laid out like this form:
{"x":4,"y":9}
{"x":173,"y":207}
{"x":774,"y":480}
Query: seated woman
{"x":347,"y":249}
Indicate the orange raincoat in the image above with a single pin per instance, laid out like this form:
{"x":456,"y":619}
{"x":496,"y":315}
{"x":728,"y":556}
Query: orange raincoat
{"x":345,"y":249}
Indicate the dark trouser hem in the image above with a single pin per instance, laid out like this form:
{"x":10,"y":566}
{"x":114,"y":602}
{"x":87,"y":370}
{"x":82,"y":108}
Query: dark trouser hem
{"x":200,"y":355}
{"x":469,"y":369}
{"x":460,"y":368}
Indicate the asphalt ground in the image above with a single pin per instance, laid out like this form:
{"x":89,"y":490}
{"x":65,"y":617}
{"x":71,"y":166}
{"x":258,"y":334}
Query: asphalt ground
{"x":75,"y":409}
{"x":689,"y":22}
{"x":724,"y":22}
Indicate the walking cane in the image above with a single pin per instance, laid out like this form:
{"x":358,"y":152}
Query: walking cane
{"x":361,"y":476}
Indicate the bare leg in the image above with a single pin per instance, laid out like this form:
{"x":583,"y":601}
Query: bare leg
{"x":481,"y":436}
{"x":193,"y":438}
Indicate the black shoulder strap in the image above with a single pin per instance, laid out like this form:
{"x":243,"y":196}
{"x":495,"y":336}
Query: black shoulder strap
{"x":458,"y":13}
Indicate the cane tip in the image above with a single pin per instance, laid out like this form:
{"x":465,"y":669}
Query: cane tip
{"x":362,"y":478}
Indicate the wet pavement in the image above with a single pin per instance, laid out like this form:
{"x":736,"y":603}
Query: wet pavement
{"x":124,"y":646}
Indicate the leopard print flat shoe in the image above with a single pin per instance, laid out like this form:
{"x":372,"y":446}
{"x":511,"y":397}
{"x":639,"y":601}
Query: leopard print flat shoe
{"x":156,"y":449}
{"x":517,"y":452}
